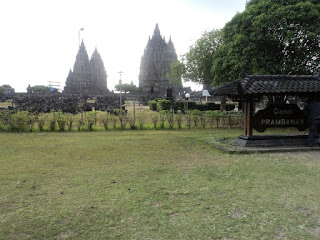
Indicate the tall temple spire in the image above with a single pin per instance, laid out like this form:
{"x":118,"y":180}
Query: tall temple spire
{"x":156,"y":31}
{"x":155,"y":64}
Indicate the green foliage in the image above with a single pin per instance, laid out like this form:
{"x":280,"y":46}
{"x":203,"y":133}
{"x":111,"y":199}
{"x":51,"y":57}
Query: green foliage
{"x":104,"y":118}
{"x":153,"y":105}
{"x":24,"y":121}
{"x":197,"y":62}
{"x":52,"y":120}
{"x":195,"y":116}
{"x":188,"y":105}
{"x":125,"y":87}
{"x":6,"y":88}
{"x":31,"y":120}
{"x":179,"y":119}
{"x":114,"y":121}
{"x":123,"y":119}
{"x":164,"y":105}
{"x":8,"y":121}
{"x":90,"y":119}
{"x":70,"y":119}
{"x":203,"y":119}
{"x":163,"y":114}
{"x":20,"y":119}
{"x":211,"y":118}
{"x":155,"y":119}
{"x":61,"y":120}
{"x":80,"y":121}
{"x":188,"y":120}
{"x":270,"y":37}
{"x":41,"y":120}
{"x":132,"y":122}
{"x":40,"y":89}
{"x":177,"y":69}
{"x":142,"y":118}
{"x":170,"y":118}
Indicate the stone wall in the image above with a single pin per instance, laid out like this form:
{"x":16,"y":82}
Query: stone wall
{"x":65,"y":102}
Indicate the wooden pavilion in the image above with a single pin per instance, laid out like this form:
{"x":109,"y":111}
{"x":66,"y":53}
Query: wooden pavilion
{"x":278,"y":90}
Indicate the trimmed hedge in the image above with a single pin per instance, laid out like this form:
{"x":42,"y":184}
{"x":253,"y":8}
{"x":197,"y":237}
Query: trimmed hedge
{"x":158,"y":105}
{"x":153,"y":105}
{"x":163,"y":105}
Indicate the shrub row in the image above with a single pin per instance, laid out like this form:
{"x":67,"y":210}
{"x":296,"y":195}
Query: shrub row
{"x":23,"y":121}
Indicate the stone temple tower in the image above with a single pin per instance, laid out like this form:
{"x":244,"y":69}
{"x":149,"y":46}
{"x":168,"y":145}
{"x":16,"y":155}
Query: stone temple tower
{"x":87,"y":77}
{"x":155,"y":64}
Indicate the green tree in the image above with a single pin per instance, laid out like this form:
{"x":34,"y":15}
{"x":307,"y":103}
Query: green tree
{"x":6,"y":88}
{"x":177,"y":69}
{"x":125,"y":87}
{"x":40,"y":89}
{"x":270,"y":37}
{"x":197,"y":62}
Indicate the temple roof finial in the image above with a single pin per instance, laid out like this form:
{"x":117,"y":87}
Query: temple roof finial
{"x":243,"y":73}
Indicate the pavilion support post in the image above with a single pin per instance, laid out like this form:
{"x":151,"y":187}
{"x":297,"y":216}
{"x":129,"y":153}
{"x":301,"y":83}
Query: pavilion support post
{"x":244,"y":109}
{"x":248,"y":108}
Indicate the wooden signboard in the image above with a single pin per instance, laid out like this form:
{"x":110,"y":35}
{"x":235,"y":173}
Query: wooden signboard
{"x":279,"y":116}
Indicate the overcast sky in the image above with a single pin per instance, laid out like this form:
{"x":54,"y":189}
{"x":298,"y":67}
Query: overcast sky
{"x":39,"y":38}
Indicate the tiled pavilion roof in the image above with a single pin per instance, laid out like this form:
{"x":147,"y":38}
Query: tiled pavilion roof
{"x":257,"y":85}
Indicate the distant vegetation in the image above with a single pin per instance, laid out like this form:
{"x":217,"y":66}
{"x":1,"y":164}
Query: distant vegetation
{"x":40,"y":89}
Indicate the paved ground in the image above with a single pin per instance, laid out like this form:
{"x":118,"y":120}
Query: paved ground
{"x":232,"y":147}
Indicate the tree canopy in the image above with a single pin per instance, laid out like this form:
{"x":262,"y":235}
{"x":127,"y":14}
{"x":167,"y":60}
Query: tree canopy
{"x":125,"y":87}
{"x":175,"y":74}
{"x":6,"y":88}
{"x":270,"y":37}
{"x":197,"y":61}
{"x":40,"y":89}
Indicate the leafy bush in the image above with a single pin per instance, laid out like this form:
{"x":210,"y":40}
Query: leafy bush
{"x":170,"y":119}
{"x":80,"y":121}
{"x":20,"y":119}
{"x":123,"y":118}
{"x":179,"y":118}
{"x":61,"y":120}
{"x":104,"y":118}
{"x":41,"y":120}
{"x":70,"y":119}
{"x":132,"y":121}
{"x":155,"y":120}
{"x":52,"y":120}
{"x":90,"y":119}
{"x":211,"y":118}
{"x":142,"y":118}
{"x":188,"y":120}
{"x":163,"y":115}
{"x":153,"y":105}
{"x":195,"y":116}
{"x":164,"y":105}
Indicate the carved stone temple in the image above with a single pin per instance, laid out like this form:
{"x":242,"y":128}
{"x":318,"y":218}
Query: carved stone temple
{"x":155,"y":64}
{"x":87,"y":77}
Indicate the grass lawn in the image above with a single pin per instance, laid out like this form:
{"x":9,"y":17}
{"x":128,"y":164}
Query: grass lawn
{"x":153,"y":185}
